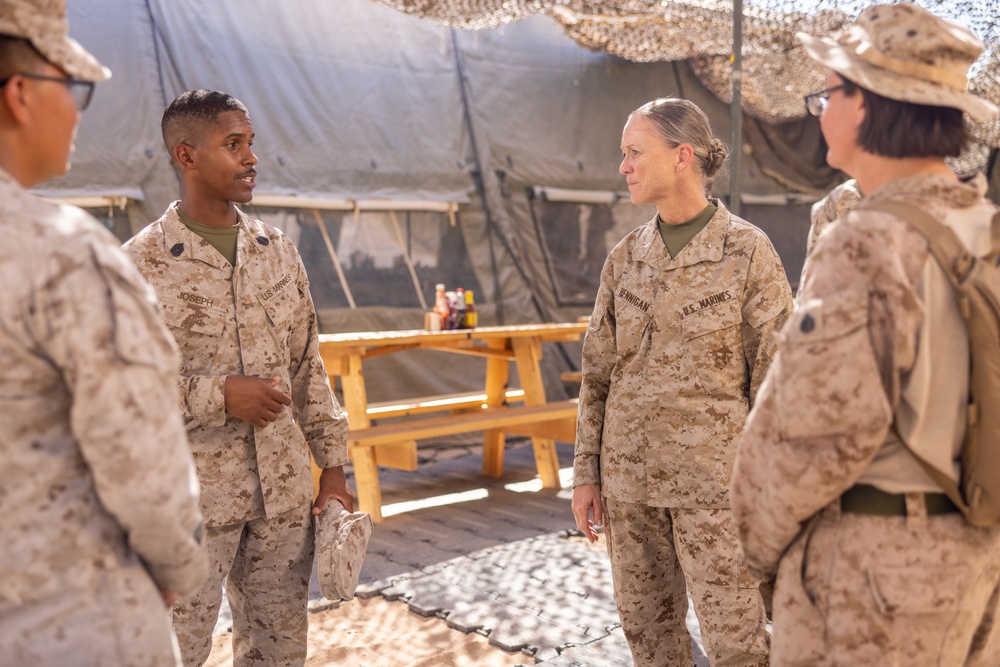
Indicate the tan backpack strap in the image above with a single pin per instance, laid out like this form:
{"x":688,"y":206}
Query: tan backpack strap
{"x":949,"y":251}
{"x":956,"y":260}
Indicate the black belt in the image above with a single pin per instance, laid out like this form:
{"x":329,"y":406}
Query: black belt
{"x":865,"y":499}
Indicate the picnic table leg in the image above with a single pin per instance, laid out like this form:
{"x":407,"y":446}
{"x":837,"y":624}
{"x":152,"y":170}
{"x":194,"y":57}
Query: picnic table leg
{"x":497,"y":378}
{"x":366,"y":483}
{"x":366,"y":480}
{"x":528,"y":356}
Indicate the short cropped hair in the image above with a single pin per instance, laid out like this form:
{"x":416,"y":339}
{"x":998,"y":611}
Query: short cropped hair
{"x":190,"y":112}
{"x":896,"y":129}
{"x":17,"y":55}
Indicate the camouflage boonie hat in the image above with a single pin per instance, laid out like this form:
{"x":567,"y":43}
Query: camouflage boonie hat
{"x":44,"y":24}
{"x":907,"y":54}
{"x":341,"y":543}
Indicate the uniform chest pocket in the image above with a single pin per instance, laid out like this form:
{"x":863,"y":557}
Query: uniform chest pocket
{"x":826,"y":374}
{"x":195,"y":314}
{"x":632,"y":324}
{"x":280,"y":307}
{"x":713,"y":343}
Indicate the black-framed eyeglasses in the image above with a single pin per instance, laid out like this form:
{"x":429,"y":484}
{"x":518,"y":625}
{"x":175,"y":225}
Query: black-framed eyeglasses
{"x":82,"y":91}
{"x":817,"y":102}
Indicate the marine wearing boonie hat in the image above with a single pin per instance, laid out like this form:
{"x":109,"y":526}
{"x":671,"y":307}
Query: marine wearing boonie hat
{"x":872,"y":372}
{"x":907,"y":54}
{"x":44,"y":24}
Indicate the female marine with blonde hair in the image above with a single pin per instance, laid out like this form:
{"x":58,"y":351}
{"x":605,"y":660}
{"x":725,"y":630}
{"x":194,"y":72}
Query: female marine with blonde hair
{"x":681,"y":336}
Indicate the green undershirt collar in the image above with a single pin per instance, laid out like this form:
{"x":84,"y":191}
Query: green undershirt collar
{"x":675,"y":237}
{"x":222,"y":239}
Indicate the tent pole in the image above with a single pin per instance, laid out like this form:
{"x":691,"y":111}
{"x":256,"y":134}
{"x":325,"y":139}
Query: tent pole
{"x":735,"y":110}
{"x":408,"y":260}
{"x":477,"y":173}
{"x":336,"y":260}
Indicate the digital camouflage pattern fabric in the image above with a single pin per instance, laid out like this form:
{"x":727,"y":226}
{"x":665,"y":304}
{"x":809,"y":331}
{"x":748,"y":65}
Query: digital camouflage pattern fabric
{"x":645,"y":545}
{"x":268,"y":562}
{"x":674,"y":353}
{"x":254,"y":318}
{"x":98,"y":497}
{"x":833,"y":206}
{"x":875,"y":343}
{"x":45,"y":25}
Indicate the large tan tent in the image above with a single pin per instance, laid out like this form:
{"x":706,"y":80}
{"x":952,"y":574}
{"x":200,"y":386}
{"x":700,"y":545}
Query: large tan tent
{"x":404,"y":143}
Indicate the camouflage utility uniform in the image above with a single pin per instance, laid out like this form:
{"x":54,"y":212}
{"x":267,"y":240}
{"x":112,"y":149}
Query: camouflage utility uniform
{"x":874,"y":566}
{"x":674,"y":353}
{"x":834,"y":205}
{"x":255,"y":319}
{"x":98,"y":495}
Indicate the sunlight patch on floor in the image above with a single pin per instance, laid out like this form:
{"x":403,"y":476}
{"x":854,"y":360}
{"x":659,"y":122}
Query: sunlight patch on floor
{"x":533,"y":485}
{"x":435,"y":501}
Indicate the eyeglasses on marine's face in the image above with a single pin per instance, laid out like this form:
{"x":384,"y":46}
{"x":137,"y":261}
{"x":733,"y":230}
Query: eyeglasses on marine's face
{"x":817,"y":102}
{"x":82,"y":91}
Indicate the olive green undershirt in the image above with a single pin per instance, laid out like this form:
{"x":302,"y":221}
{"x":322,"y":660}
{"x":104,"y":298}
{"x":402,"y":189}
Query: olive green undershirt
{"x":222,"y":239}
{"x":675,"y":237}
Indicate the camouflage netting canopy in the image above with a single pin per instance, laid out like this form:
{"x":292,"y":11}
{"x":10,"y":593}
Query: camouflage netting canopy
{"x":776,"y":70}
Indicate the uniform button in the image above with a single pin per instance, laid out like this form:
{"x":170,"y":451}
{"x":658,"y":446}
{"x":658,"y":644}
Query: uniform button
{"x":263,"y":240}
{"x":807,"y":324}
{"x":177,"y":249}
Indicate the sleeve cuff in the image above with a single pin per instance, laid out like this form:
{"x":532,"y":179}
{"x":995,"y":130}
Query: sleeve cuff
{"x":586,"y":470}
{"x":331,"y":458}
{"x":205,"y":399}
{"x":185,"y":578}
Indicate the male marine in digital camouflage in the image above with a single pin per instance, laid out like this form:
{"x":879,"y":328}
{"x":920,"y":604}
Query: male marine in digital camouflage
{"x":98,"y":497}
{"x":256,"y":396}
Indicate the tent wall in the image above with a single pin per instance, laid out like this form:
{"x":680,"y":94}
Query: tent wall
{"x":352,"y":100}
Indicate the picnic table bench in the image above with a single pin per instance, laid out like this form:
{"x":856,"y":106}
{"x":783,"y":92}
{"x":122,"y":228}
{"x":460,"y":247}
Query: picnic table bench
{"x":496,"y":411}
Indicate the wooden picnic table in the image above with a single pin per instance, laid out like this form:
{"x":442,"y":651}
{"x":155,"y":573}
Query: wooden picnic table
{"x":393,"y":444}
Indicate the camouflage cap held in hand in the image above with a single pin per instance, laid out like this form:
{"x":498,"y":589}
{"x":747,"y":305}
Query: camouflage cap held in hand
{"x":905,"y":53}
{"x":341,"y":542}
{"x":44,"y":24}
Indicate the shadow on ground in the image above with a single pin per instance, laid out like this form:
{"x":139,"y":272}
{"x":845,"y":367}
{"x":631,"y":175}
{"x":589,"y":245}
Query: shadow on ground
{"x":493,"y":573}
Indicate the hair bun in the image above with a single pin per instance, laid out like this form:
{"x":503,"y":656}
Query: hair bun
{"x":715,"y":158}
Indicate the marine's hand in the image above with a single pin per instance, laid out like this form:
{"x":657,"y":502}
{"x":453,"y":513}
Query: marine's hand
{"x":255,"y":400}
{"x":587,"y":500}
{"x":333,"y":484}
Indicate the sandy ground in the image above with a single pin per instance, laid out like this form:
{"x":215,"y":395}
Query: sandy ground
{"x":378,"y":633}
{"x":381,"y":631}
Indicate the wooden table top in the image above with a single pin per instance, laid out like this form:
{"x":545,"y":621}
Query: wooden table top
{"x":369,"y":339}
